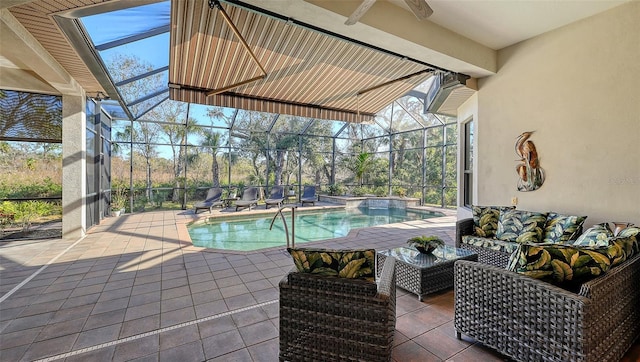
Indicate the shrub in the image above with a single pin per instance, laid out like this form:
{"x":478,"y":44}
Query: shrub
{"x":24,"y":213}
{"x":361,"y":191}
{"x":42,"y":188}
{"x":336,"y":190}
{"x":380,"y":191}
{"x":399,"y":190}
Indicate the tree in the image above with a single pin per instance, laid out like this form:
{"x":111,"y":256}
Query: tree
{"x":143,"y":135}
{"x":212,"y":142}
{"x":362,"y":163}
{"x":176,"y":126}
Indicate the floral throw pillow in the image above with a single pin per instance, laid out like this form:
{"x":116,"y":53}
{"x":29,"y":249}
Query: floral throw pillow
{"x":566,"y":266}
{"x":561,"y":228}
{"x":597,"y":235}
{"x":339,"y":263}
{"x":485,"y":219}
{"x":521,"y":226}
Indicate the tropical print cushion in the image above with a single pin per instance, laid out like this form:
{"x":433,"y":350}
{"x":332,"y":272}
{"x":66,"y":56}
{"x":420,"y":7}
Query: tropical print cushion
{"x":521,"y":226}
{"x":622,"y":248}
{"x":597,"y":235}
{"x":566,"y":266}
{"x":485,"y":219}
{"x":629,"y":231}
{"x":493,"y":244}
{"x":339,"y":263}
{"x":632,"y":231}
{"x":561,"y":228}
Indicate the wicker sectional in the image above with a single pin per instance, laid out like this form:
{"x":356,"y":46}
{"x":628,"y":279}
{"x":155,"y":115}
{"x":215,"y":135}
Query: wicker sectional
{"x":531,"y":320}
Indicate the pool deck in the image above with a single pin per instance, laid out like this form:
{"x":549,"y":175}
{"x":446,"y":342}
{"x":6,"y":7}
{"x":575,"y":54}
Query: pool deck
{"x":135,"y":289}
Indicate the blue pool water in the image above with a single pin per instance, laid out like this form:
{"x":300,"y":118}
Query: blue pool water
{"x":253,"y":233}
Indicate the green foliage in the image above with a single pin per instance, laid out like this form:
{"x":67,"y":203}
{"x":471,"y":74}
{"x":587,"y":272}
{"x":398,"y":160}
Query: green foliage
{"x":336,"y":190}
{"x":361,"y":191}
{"x":361,"y":164}
{"x":399,"y":191}
{"x":380,"y":191}
{"x":24,"y":213}
{"x":6,"y":219}
{"x":161,"y":196}
{"x":427,"y":242}
{"x":26,"y":189}
{"x":118,"y":199}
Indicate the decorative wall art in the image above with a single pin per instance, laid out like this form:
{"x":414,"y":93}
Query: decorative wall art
{"x":531,"y":175}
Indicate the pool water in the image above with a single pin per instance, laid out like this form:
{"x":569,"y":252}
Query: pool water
{"x":253,"y":234}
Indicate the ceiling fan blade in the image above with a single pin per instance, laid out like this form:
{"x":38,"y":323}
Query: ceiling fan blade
{"x":357,"y":14}
{"x":420,"y":8}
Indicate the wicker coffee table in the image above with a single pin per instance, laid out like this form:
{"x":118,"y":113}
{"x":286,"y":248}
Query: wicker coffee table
{"x":425,"y":273}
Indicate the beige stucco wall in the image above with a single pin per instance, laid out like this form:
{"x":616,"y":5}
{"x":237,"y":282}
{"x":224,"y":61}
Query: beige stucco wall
{"x":578,"y":88}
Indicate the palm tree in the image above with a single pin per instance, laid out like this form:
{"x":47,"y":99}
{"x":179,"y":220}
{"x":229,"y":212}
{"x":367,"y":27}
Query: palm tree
{"x":362,"y":164}
{"x":211,"y":144}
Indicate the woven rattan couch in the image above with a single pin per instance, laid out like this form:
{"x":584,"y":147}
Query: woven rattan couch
{"x":337,"y":319}
{"x":531,"y":320}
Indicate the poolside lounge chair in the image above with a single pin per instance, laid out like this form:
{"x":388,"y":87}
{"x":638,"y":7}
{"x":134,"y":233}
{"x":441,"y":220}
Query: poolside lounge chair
{"x":276,"y":197}
{"x":249,"y":197}
{"x":308,"y":195}
{"x":214,"y":198}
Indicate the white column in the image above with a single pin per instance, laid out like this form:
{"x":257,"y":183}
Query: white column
{"x":74,"y":169}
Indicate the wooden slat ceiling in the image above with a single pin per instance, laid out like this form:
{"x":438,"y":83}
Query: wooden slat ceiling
{"x":36,"y":17}
{"x":308,"y":73}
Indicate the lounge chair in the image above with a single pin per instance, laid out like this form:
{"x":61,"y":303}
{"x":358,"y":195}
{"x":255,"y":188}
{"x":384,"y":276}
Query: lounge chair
{"x":308,"y":195}
{"x":249,"y":197}
{"x":214,"y":198}
{"x":276,"y":197}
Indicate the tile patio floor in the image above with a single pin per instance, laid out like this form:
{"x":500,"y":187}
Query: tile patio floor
{"x":136,"y":289}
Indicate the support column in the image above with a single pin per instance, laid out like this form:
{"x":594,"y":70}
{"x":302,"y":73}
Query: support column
{"x":74,"y":166}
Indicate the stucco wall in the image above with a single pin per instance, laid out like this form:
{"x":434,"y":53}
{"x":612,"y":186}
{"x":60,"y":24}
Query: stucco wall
{"x":578,"y":88}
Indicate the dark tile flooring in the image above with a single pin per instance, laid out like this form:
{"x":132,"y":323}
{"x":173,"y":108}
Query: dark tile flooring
{"x":135,"y":289}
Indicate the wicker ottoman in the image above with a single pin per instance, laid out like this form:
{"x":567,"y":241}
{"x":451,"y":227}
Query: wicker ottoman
{"x":424,"y":273}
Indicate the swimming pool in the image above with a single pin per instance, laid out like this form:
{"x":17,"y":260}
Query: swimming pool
{"x":253,"y":233}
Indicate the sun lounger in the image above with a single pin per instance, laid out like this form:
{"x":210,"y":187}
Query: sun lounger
{"x":214,"y":198}
{"x":276,"y":197}
{"x":249,"y":198}
{"x":309,"y":195}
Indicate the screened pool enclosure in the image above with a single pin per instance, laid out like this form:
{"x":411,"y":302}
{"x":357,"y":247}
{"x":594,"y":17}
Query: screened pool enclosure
{"x":177,"y":157}
{"x":164,"y":152}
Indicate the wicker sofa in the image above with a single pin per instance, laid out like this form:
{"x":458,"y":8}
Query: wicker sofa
{"x":525,"y":316}
{"x":532,"y":320}
{"x":337,"y":319}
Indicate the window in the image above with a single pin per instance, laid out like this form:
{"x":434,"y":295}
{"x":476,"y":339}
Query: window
{"x":467,"y":181}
